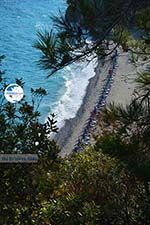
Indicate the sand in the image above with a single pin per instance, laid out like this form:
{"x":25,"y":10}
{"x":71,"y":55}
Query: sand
{"x":121,"y":92}
{"x":124,"y":83}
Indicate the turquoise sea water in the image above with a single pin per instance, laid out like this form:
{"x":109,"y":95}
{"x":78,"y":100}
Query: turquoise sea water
{"x":19,"y":22}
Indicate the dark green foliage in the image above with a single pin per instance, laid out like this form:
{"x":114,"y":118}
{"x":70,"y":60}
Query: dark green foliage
{"x":24,"y":186}
{"x":87,"y":28}
{"x":128,"y":139}
{"x":95,"y":190}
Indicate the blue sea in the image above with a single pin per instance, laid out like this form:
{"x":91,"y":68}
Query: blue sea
{"x":19,"y":22}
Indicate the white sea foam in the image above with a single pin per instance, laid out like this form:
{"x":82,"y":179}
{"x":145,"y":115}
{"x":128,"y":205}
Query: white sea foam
{"x":76,"y":81}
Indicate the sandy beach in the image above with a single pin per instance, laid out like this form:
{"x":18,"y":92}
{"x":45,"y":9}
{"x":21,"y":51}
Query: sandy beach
{"x":121,"y":92}
{"x":124,"y":81}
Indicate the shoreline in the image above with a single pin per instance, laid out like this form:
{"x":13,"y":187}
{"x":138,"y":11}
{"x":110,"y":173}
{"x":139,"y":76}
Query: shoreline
{"x":120,"y":93}
{"x":73,"y":127}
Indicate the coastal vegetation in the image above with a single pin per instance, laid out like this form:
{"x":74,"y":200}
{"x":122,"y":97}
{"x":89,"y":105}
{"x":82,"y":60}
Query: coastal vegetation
{"x":109,"y":182}
{"x":88,"y":27}
{"x":24,"y":186}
